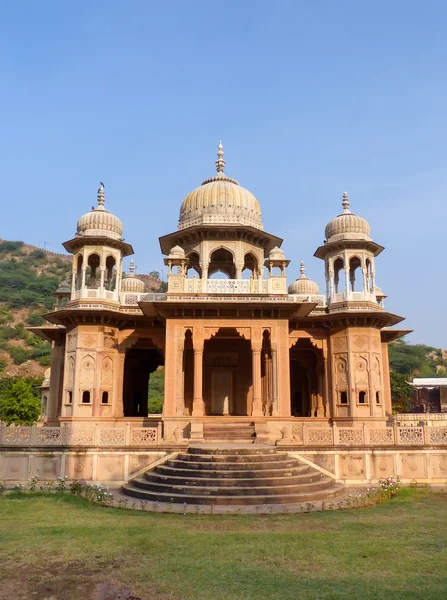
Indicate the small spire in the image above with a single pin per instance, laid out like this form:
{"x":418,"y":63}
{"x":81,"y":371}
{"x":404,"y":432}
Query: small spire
{"x":345,"y":203}
{"x":220,"y":163}
{"x":131,"y":267}
{"x":302,"y":269}
{"x":101,"y":197}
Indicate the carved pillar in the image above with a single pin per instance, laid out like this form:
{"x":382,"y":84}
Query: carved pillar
{"x":180,"y":403}
{"x":347,"y":281}
{"x":274,"y":383}
{"x":386,"y":400}
{"x":54,"y":405}
{"x":169,"y":406}
{"x":326,"y":381}
{"x":198,"y":407}
{"x":84,"y":269}
{"x":257,"y":383}
{"x":102,"y":271}
{"x":118,"y":405}
{"x":239,"y":267}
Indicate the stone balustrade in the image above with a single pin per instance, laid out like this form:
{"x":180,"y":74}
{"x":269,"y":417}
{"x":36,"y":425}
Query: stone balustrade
{"x":80,"y":435}
{"x":288,"y":433}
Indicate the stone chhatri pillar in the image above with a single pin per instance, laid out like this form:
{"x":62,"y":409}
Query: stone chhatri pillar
{"x":274,"y":381}
{"x":256,"y":346}
{"x":180,"y":402}
{"x":198,"y":408}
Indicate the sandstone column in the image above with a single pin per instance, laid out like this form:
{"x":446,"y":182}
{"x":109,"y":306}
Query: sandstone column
{"x":257,"y":383}
{"x":180,"y":402}
{"x":54,"y":405}
{"x":198,"y":408}
{"x":274,"y":383}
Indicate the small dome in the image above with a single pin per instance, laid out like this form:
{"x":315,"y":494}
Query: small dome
{"x":220,"y":200}
{"x":347,"y":226}
{"x":276,"y":254}
{"x":100,"y":222}
{"x":130,"y":283}
{"x":379,"y":292}
{"x":176,"y":252}
{"x":303,"y":285}
{"x":46,"y":378}
{"x":64,"y":288}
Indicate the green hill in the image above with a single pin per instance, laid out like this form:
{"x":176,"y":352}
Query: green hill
{"x":417,"y":360}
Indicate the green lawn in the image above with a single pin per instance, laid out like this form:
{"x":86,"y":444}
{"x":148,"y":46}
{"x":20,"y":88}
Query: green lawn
{"x":61,"y":547}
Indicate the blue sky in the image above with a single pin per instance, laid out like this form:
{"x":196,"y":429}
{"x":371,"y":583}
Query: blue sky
{"x":309,"y":98}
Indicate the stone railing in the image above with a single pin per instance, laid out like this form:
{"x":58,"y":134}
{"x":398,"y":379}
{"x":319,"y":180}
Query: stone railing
{"x":289,"y":433}
{"x":228,"y":286}
{"x":307,"y":434}
{"x":80,"y":435}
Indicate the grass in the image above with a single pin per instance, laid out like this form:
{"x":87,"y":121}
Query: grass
{"x":60,"y":547}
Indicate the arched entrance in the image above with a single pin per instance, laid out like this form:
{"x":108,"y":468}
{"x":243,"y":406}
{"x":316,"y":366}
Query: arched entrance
{"x":306,"y":380}
{"x":141,"y":360}
{"x":227,"y":374}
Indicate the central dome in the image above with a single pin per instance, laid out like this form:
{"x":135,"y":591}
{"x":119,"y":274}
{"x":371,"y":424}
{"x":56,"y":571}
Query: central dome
{"x":220,"y":200}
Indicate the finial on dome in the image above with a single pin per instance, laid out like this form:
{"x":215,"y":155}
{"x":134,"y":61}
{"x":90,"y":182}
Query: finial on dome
{"x":302,"y":269}
{"x":101,"y":196}
{"x":131,"y":267}
{"x":345,"y":203}
{"x":220,"y":163}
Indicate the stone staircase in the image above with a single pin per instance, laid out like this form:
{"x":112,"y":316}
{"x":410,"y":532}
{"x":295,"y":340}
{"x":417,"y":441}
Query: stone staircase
{"x":242,"y":432}
{"x":232,"y":476}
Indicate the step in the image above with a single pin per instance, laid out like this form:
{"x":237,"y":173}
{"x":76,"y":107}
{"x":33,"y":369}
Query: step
{"x":233,"y":451}
{"x":232,"y":458}
{"x":228,"y":466}
{"x":168,"y":471}
{"x":203,"y":490}
{"x":190,"y":498}
{"x":291,"y":479}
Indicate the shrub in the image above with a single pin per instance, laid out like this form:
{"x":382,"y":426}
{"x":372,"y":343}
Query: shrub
{"x":34,"y":319}
{"x":19,"y":355}
{"x":19,"y":404}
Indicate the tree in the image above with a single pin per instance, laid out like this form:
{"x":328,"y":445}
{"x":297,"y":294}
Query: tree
{"x":19,"y":404}
{"x":401,"y":393}
{"x":155,"y":274}
{"x":156,"y":391}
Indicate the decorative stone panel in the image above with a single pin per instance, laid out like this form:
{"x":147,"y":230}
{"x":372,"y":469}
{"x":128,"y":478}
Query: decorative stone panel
{"x":17,"y":436}
{"x":143,"y":436}
{"x":410,"y":435}
{"x":110,"y":468}
{"x":49,"y":436}
{"x":112,"y":436}
{"x":382,"y":465}
{"x":80,"y":435}
{"x":438,"y":466}
{"x":79,"y":466}
{"x":413,"y":466}
{"x":438,"y":435}
{"x":15,"y":467}
{"x":350,"y":437}
{"x":46,"y":467}
{"x":318,"y":437}
{"x":381,"y":436}
{"x":352,"y":466}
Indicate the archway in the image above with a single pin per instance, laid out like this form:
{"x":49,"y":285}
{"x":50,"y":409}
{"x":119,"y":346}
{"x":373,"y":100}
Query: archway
{"x":141,"y":360}
{"x":222,"y":261}
{"x":306,"y":379}
{"x":227,"y":374}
